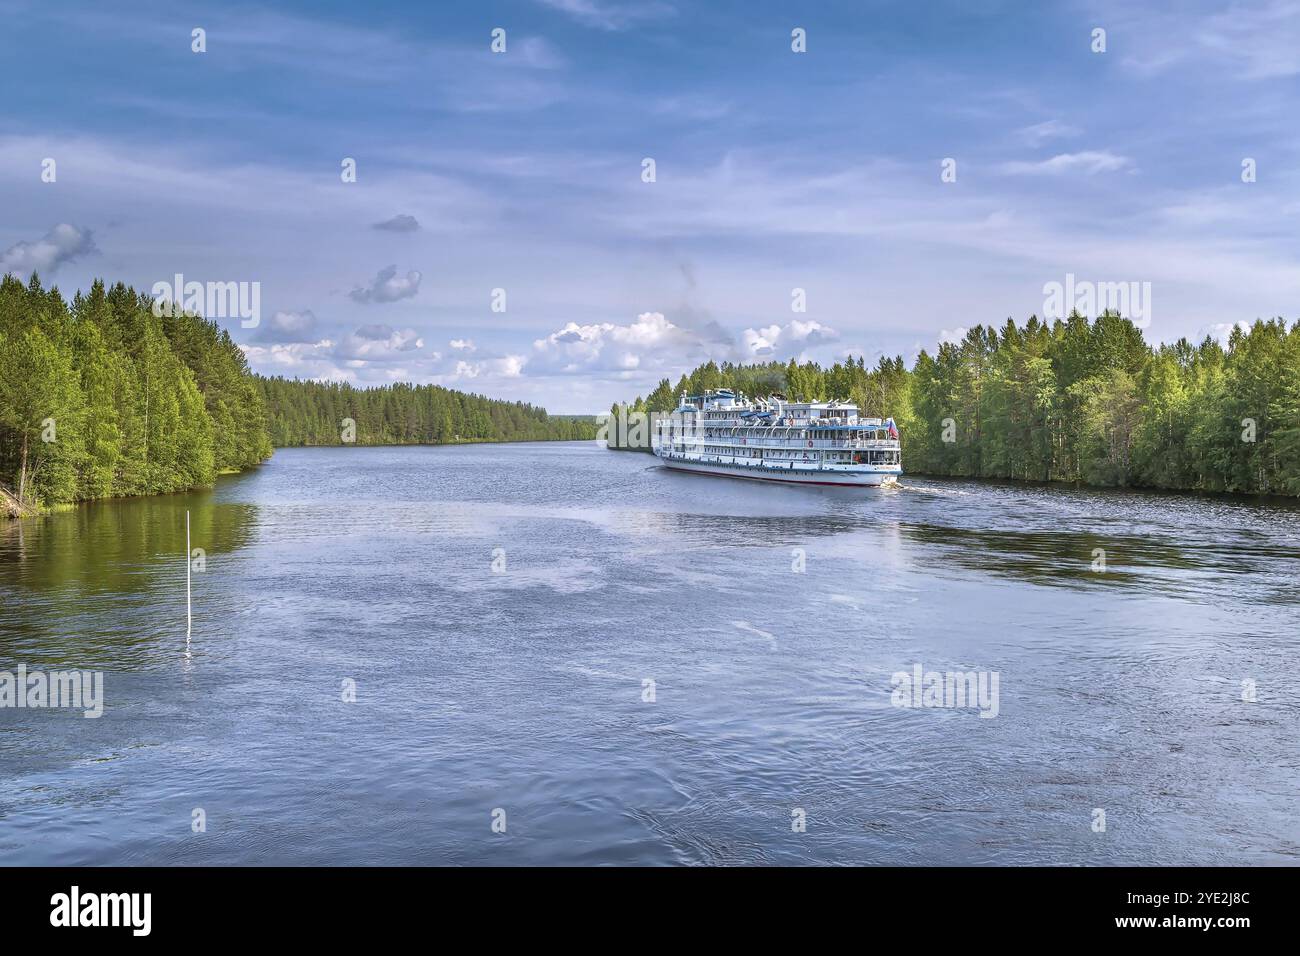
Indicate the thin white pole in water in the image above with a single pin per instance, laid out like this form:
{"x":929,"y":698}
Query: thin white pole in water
{"x":189,"y":621}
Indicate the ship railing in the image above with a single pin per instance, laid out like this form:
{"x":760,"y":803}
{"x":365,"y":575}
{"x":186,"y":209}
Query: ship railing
{"x":790,"y":423}
{"x":769,"y":464}
{"x":762,"y":441}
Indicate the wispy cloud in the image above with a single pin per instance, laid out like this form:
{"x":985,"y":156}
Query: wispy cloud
{"x":612,"y":14}
{"x":299,"y":51}
{"x":1039,"y":133}
{"x":1088,"y":163}
{"x":1263,"y":40}
{"x":1255,"y":41}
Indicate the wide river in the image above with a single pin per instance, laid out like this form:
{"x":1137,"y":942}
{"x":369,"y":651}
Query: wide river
{"x":552,"y":653}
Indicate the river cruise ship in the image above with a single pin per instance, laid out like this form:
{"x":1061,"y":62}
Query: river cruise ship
{"x":808,"y":443}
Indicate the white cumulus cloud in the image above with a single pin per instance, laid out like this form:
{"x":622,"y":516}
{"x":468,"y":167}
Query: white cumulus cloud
{"x":797,"y":335}
{"x":577,"y":349}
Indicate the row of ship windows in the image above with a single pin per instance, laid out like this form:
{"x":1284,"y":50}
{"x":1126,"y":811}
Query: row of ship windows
{"x":843,"y":457}
{"x":801,"y":433}
{"x":824,"y":419}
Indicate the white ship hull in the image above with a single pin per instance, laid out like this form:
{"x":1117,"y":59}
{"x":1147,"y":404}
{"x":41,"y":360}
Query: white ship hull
{"x":857,"y":478}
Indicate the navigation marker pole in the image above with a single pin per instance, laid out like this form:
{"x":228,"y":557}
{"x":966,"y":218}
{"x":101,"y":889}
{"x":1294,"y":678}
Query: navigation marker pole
{"x":189,"y":620}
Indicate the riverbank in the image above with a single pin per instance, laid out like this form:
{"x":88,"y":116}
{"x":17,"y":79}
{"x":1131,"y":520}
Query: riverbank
{"x":431,"y":444}
{"x":10,"y":505}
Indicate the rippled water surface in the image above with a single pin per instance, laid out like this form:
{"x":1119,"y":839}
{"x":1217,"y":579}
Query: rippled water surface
{"x":522,"y":690}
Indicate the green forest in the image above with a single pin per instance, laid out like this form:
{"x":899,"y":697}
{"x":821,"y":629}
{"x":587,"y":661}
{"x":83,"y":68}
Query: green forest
{"x":1080,"y":401}
{"x":100,"y":397}
{"x":313,"y":413}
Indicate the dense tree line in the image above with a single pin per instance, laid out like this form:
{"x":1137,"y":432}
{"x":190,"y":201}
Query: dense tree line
{"x":1074,"y":400}
{"x":316,"y":413}
{"x":102,"y":398}
{"x":99,"y":397}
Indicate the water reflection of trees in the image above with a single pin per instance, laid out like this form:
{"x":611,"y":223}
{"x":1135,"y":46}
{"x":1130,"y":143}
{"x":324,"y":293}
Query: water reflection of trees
{"x":1064,"y":557}
{"x":60,"y":572}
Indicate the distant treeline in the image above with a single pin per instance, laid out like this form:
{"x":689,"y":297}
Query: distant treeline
{"x":1073,"y":400}
{"x":314,"y":413}
{"x":100,"y":397}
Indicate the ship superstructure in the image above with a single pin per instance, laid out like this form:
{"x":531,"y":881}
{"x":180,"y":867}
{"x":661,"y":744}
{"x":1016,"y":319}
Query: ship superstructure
{"x":771,"y":439}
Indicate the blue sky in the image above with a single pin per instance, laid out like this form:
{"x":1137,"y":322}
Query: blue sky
{"x":775,"y":170}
